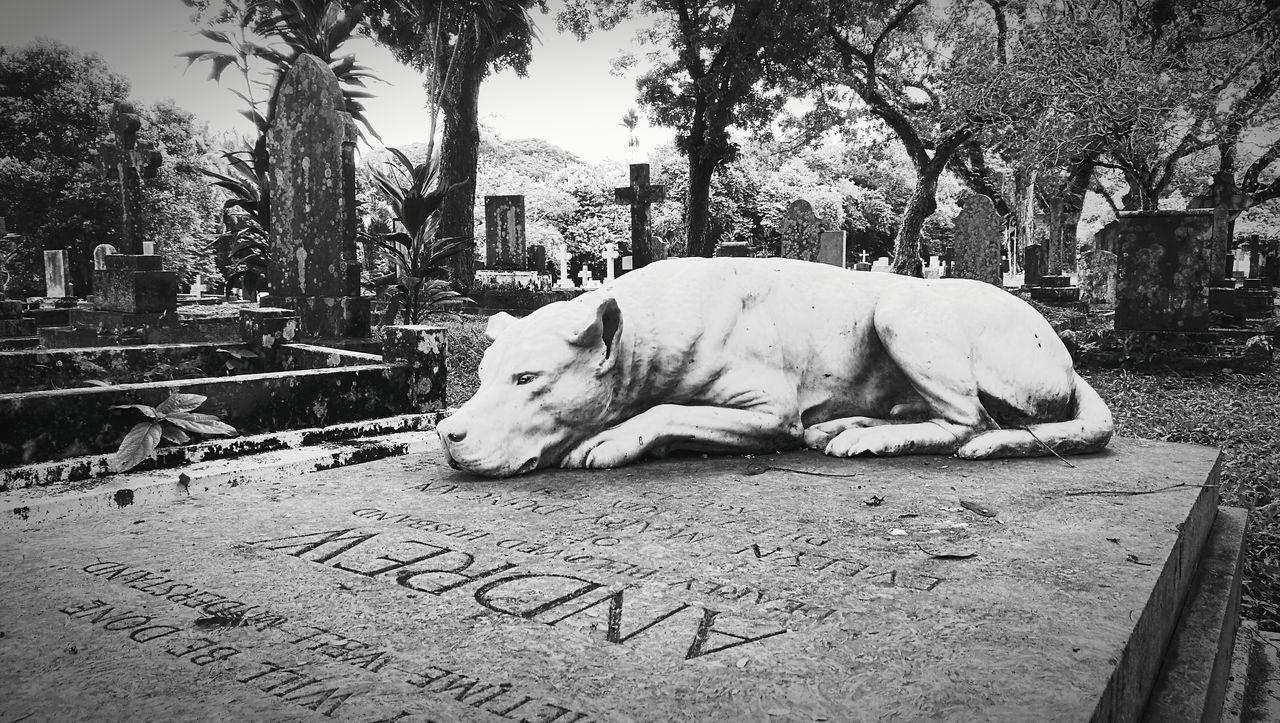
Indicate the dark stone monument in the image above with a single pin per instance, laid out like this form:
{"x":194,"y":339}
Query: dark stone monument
{"x":538,"y":258}
{"x":831,"y":248}
{"x":134,"y":284}
{"x":1164,"y":270}
{"x":504,"y":233}
{"x":733,"y":249}
{"x":978,"y":237}
{"x":129,"y":161}
{"x":1227,"y":202}
{"x":1060,"y":251}
{"x":313,"y":268}
{"x":12,"y":323}
{"x":1098,"y":276}
{"x":800,"y":228}
{"x":640,"y":195}
{"x":1032,"y":264}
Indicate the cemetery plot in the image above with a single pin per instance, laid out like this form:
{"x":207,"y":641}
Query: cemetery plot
{"x":793,"y":586}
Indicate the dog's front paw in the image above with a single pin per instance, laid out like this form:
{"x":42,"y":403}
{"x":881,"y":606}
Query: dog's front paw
{"x":881,"y":441}
{"x":605,"y":450}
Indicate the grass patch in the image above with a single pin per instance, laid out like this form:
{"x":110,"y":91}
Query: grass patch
{"x":1239,"y":413}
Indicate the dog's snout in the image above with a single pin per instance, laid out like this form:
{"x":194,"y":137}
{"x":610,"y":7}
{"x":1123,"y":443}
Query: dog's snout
{"x":451,"y":431}
{"x":457,"y":436}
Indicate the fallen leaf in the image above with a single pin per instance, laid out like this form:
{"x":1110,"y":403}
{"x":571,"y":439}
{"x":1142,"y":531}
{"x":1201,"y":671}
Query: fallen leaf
{"x":977,"y":508}
{"x":873,"y":501}
{"x":1114,"y":539}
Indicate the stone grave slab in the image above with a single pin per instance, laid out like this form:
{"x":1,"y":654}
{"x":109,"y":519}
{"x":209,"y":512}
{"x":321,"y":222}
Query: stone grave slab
{"x":777,"y":587}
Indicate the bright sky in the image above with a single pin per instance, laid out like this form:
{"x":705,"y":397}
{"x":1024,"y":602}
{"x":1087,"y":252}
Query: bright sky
{"x":569,"y":97}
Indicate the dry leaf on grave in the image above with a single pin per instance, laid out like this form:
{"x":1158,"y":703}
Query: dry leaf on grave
{"x":977,"y":508}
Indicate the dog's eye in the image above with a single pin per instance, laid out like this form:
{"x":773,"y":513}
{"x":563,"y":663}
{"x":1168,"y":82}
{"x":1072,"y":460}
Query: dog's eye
{"x":525,"y":378}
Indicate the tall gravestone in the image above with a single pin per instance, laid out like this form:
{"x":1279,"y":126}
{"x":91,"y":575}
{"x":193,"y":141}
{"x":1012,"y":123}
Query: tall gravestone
{"x":978,"y":235}
{"x":1060,"y":251}
{"x":504,"y":233}
{"x":1227,"y":202}
{"x":832,"y":248}
{"x":1032,"y":264}
{"x":800,"y":228}
{"x":56,"y":283}
{"x":1164,"y":276}
{"x":313,"y":267}
{"x":639,"y":195}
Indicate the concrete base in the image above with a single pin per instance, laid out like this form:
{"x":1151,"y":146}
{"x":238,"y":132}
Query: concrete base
{"x":779,"y":587}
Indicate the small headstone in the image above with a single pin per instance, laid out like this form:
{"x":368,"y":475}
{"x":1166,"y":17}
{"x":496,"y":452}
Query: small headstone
{"x":978,"y":236}
{"x":933,"y":272}
{"x":584,"y":275}
{"x":56,"y":284}
{"x":504,"y":233}
{"x":1033,"y":264}
{"x":628,"y":263}
{"x":149,"y":248}
{"x":733,"y":249}
{"x":135,"y":284}
{"x":862,"y":266}
{"x":800,"y":228}
{"x":1098,"y":275}
{"x":831,"y":248}
{"x":639,"y":195}
{"x":100,"y":254}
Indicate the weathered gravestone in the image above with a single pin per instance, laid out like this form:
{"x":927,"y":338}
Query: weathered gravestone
{"x":639,"y":196}
{"x":1060,"y":242}
{"x":1163,"y":270}
{"x":831,"y":248}
{"x":313,"y":267}
{"x":504,"y":233}
{"x":56,"y":283}
{"x":1226,"y":201}
{"x":538,"y":258}
{"x":800,"y":228}
{"x":100,"y":254}
{"x":133,"y":284}
{"x":978,"y":235}
{"x":685,"y":589}
{"x":733,"y":249}
{"x":1098,"y":277}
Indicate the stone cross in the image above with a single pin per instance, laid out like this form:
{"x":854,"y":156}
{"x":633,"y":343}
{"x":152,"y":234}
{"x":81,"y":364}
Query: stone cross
{"x":197,"y":286}
{"x":129,"y":161}
{"x":609,"y":253}
{"x":565,"y":282}
{"x":640,"y":195}
{"x":864,"y":257}
{"x":585,"y":275}
{"x":100,"y":254}
{"x":978,"y":237}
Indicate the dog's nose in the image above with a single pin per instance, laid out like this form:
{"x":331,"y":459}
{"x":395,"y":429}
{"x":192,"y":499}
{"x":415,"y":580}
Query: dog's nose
{"x":456,"y":436}
{"x":451,"y":431}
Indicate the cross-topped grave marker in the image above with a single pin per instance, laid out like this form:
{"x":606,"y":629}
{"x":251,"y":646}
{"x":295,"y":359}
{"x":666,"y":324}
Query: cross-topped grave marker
{"x":129,"y":161}
{"x":640,"y":195}
{"x":585,"y":275}
{"x":609,"y":253}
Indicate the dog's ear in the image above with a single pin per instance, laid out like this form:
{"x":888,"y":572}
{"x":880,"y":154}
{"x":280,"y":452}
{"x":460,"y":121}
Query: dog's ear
{"x":602,"y":324}
{"x":498,"y":323}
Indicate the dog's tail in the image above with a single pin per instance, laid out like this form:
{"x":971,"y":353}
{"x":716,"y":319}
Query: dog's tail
{"x":1088,"y":431}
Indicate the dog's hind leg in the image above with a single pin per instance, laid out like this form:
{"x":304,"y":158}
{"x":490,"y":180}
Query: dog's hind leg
{"x":934,"y":352}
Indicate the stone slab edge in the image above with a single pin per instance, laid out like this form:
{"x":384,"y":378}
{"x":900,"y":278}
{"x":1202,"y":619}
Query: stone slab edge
{"x":159,"y":487}
{"x":1253,"y":688}
{"x":1135,"y":674}
{"x":1193,"y":681}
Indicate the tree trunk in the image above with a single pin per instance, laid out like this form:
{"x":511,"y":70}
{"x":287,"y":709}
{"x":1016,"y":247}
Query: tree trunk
{"x":921,"y":205}
{"x":698,"y":206}
{"x":459,"y":153}
{"x":1024,"y":211}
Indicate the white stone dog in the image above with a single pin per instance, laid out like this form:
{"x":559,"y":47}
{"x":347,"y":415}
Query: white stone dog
{"x":755,"y":355}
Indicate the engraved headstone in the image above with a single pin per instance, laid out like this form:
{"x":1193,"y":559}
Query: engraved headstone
{"x":504,"y":233}
{"x":56,"y":283}
{"x":1098,"y":276}
{"x":682,"y":589}
{"x":800,"y":228}
{"x":978,"y":237}
{"x":313,"y":268}
{"x":831,"y":248}
{"x":639,"y":195}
